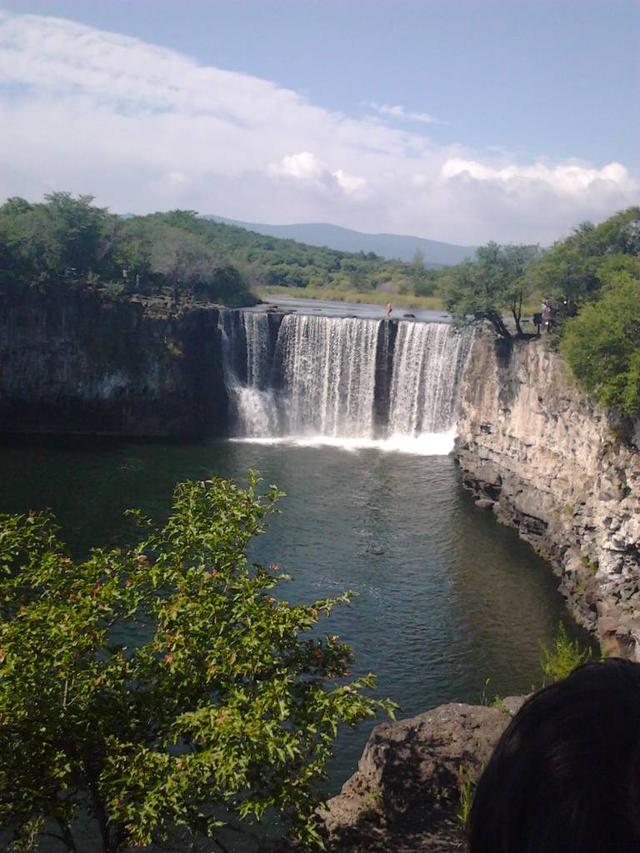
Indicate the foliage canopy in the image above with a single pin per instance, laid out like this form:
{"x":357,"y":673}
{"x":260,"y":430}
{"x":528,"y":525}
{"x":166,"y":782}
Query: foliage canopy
{"x":602,"y":344}
{"x":219,"y":712}
{"x":69,"y":240}
{"x":495,"y":282}
{"x":593,"y":280}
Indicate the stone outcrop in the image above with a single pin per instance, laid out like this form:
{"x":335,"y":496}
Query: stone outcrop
{"x":543,"y":457}
{"x":405,"y":794}
{"x":77,"y":362}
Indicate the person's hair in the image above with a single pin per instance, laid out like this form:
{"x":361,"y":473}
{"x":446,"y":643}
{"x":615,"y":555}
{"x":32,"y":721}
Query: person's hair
{"x":565,"y":775}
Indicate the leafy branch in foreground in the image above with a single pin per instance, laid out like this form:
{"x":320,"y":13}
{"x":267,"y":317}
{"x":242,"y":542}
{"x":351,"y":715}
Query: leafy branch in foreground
{"x":218,"y":711}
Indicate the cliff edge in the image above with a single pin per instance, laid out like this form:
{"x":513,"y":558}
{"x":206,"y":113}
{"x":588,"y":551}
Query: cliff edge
{"x":74,"y":362}
{"x":541,"y":455}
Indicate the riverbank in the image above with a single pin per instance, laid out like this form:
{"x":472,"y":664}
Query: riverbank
{"x":543,"y":458}
{"x":355,"y":297}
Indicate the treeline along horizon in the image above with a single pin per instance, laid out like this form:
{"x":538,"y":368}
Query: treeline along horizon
{"x":63,"y":239}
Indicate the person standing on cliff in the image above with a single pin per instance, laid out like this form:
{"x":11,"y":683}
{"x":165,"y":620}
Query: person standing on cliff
{"x":389,"y":309}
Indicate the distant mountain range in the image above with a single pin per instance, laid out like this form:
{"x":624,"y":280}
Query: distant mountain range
{"x":392,"y":246}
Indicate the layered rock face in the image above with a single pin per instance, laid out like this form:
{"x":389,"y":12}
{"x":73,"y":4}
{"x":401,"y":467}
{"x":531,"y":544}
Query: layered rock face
{"x":534,"y":449}
{"x":76,"y":362}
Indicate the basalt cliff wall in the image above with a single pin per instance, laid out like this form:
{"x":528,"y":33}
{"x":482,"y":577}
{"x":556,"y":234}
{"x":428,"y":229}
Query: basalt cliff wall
{"x":542,"y":456}
{"x":76,"y":362}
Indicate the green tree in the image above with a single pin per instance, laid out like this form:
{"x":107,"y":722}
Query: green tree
{"x":602,"y":344}
{"x":572,"y":269}
{"x":79,"y":228}
{"x":495,"y":282}
{"x":220,"y":712}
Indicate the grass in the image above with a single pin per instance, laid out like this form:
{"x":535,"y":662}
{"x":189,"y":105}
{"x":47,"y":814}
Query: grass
{"x":563,"y":656}
{"x":370,"y":297}
{"x":466,"y":790}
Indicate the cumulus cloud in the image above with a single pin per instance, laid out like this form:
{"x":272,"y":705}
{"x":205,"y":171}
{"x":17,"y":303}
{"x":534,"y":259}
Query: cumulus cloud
{"x":144,"y":127}
{"x":566,"y":178}
{"x":305,"y":166}
{"x":399,"y":112}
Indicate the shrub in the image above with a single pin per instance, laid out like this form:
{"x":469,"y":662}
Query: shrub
{"x":562,"y":657}
{"x":602,"y":345}
{"x":219,"y":711}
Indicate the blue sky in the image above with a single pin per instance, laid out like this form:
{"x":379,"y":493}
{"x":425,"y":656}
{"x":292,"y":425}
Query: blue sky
{"x":461,"y":121}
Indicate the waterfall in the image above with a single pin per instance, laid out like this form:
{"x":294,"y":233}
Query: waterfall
{"x":328,"y":373}
{"x":254,"y":411}
{"x":427,"y":366}
{"x":346,"y":381}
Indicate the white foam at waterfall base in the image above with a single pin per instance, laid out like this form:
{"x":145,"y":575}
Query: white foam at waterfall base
{"x":426,"y":444}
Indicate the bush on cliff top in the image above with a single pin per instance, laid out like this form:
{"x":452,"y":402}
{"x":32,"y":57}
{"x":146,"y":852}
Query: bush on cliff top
{"x":219,"y":712}
{"x":602,"y":344}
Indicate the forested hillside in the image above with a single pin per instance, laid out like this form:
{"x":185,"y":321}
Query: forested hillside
{"x":66,"y":241}
{"x":267,"y":261}
{"x":69,"y":240}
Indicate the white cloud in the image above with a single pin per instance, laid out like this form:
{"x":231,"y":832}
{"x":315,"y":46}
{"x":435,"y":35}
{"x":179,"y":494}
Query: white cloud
{"x":399,"y":112}
{"x":350,"y":183}
{"x":144,"y":128}
{"x":565,"y":178}
{"x":303,"y":166}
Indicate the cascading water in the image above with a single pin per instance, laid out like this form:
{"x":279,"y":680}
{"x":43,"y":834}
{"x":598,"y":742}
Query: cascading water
{"x":328,"y":375}
{"x":427,"y":365}
{"x":253,"y":403}
{"x":346,"y":381}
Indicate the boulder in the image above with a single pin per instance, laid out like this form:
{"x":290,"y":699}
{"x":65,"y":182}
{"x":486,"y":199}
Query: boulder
{"x":405,"y":794}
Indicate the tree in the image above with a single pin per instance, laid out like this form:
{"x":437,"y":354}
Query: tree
{"x":219,"y":712}
{"x":495,"y":282}
{"x":572,"y":269}
{"x":47,"y":242}
{"x":79,"y":228}
{"x":602,"y":344}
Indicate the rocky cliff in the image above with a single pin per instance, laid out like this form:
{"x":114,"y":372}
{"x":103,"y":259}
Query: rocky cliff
{"x":538,"y":453}
{"x":74,"y":361}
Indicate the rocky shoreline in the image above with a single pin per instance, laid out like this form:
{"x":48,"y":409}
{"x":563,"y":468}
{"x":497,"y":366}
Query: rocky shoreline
{"x":406,"y":792}
{"x":537,"y":452}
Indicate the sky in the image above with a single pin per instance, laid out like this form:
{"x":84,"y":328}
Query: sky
{"x":456,"y":120}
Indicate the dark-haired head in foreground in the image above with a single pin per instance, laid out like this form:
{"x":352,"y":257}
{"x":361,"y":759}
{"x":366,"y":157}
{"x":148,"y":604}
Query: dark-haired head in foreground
{"x":565,"y":775}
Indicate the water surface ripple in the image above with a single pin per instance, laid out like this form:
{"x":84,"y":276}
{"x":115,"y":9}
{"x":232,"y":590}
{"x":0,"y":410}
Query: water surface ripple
{"x":447,"y":598}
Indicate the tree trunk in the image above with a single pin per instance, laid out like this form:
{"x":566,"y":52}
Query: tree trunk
{"x":498,"y":324}
{"x":516,"y":317}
